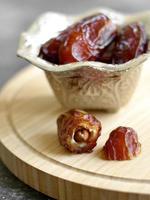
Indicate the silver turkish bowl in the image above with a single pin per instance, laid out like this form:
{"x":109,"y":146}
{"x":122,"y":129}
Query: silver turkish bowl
{"x":85,"y":85}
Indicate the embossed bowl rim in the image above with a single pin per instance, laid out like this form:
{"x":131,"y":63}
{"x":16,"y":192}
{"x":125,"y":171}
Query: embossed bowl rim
{"x":47,"y":66}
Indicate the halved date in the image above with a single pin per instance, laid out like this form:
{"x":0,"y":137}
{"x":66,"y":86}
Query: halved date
{"x":122,"y":144}
{"x":78,"y":131}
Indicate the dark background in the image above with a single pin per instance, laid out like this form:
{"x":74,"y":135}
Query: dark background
{"x":15,"y":17}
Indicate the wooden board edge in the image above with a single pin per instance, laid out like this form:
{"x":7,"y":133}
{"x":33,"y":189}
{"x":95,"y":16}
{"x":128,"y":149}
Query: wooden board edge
{"x":15,"y":159}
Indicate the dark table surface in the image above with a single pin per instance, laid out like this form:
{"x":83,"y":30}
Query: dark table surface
{"x":16,"y":16}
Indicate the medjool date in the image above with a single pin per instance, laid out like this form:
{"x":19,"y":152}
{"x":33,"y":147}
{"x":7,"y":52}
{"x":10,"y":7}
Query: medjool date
{"x":122,"y":144}
{"x":78,"y":131}
{"x":131,"y":42}
{"x":88,"y":39}
{"x":83,"y":41}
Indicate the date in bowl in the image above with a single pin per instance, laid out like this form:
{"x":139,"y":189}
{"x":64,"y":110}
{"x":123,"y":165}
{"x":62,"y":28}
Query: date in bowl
{"x":88,"y":84}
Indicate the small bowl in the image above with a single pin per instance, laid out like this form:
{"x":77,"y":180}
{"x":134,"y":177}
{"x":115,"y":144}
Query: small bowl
{"x":85,"y":85}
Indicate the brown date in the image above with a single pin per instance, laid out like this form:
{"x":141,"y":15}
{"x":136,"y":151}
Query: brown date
{"x":96,"y":38}
{"x":82,"y":41}
{"x":78,"y":131}
{"x":49,"y":50}
{"x":122,"y":144}
{"x":87,"y":40}
{"x":130,"y":43}
{"x":106,"y":56}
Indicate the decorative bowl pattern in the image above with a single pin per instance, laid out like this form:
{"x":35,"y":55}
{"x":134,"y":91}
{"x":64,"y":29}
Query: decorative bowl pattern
{"x":85,"y":85}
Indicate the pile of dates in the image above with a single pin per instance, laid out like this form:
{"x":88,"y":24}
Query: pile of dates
{"x":96,"y":38}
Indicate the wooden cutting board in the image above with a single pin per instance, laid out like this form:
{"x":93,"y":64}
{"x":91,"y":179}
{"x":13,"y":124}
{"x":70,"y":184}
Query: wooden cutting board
{"x":29,"y":145}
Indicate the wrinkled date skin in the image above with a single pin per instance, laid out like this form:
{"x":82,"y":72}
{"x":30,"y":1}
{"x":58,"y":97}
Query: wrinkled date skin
{"x":106,"y":56}
{"x":122,"y":144}
{"x":96,"y":38}
{"x":87,"y":40}
{"x":78,"y":131}
{"x":49,"y":50}
{"x":83,"y":41}
{"x":130,"y":43}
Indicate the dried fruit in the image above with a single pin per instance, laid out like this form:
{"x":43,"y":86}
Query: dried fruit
{"x":131,"y":42}
{"x":122,"y":144}
{"x":82,"y":41}
{"x":87,"y":39}
{"x":74,"y":49}
{"x":49,"y":50}
{"x":106,"y":56}
{"x":78,"y":131}
{"x":95,"y":38}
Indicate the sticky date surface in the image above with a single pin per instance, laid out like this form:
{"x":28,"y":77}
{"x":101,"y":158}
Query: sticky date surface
{"x":122,"y":144}
{"x":49,"y":50}
{"x":78,"y":131}
{"x":83,"y":41}
{"x":96,"y":38}
{"x":130,"y":43}
{"x":88,"y":39}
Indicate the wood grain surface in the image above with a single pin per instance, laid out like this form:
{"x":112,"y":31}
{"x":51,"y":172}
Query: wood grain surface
{"x":30,"y":148}
{"x":15,"y":17}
